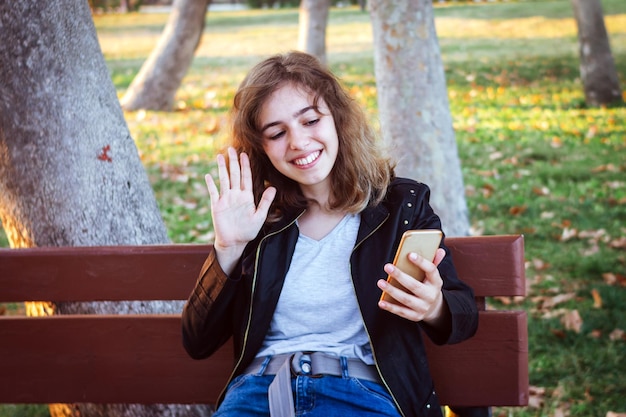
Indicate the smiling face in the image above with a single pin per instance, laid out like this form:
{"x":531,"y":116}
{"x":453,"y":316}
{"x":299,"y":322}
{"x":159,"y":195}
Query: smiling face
{"x":299,"y":139}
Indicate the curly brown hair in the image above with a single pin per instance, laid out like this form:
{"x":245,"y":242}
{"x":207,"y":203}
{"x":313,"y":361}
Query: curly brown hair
{"x":361,"y":173}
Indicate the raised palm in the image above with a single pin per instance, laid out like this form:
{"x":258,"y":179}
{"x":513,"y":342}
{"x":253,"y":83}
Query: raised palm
{"x":236,"y":218}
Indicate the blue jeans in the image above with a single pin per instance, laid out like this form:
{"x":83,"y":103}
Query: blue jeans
{"x":327,"y":396}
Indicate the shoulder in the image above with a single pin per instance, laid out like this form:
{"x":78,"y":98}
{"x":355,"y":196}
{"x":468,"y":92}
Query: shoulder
{"x":406,"y":188}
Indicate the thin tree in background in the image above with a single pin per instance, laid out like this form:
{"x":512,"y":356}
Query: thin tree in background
{"x":413,"y":104}
{"x":70,"y":174}
{"x":313,"y":19}
{"x":155,"y":86}
{"x":597,"y":67}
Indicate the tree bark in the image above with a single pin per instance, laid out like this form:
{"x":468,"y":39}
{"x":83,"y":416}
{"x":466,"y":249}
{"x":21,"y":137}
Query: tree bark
{"x":415,"y":118}
{"x":155,"y":86}
{"x":313,"y":19}
{"x":597,"y":68}
{"x":70,"y":174}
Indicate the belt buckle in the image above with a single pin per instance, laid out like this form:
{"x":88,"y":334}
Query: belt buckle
{"x":301,"y":365}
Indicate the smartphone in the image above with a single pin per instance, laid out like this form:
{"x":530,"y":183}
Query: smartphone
{"x":423,"y":242}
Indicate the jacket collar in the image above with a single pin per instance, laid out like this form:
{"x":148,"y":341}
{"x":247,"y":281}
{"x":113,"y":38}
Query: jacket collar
{"x":371,"y":218}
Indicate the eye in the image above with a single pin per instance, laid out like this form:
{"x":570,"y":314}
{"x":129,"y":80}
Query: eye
{"x":311,"y":122}
{"x":276,"y":135}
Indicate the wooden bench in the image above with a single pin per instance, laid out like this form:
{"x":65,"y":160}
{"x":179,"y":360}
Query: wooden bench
{"x":140,"y":359}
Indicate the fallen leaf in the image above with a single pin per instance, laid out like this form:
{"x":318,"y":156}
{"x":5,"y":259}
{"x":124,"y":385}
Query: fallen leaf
{"x":597,"y":299}
{"x":517,"y":210}
{"x":619,"y":243}
{"x":550,"y":302}
{"x":540,"y":264}
{"x":572,"y":321}
{"x":617,"y":334}
{"x":488,"y":190}
{"x":568,"y":234}
{"x":614,"y":279}
{"x":536,"y":396}
{"x":596,"y":334}
{"x":559,"y":412}
{"x":605,"y":168}
{"x":558,"y":333}
{"x":495,"y":155}
{"x":541,"y":191}
{"x":556,"y":142}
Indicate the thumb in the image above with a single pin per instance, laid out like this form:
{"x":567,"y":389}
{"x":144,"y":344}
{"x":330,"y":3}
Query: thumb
{"x":439,"y":255}
{"x":266,"y":201}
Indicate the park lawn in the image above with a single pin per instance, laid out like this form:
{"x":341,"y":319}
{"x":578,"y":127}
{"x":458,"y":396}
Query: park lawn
{"x":535,"y":161}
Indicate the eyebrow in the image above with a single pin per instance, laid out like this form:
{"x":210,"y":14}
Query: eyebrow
{"x":296,"y":114}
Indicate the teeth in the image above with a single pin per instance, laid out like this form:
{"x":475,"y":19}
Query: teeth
{"x":305,"y":161}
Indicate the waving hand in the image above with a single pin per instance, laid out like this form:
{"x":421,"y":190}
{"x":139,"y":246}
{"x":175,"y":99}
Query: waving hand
{"x":236,"y":218}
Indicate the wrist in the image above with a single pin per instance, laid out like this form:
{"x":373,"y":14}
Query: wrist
{"x":228,"y":256}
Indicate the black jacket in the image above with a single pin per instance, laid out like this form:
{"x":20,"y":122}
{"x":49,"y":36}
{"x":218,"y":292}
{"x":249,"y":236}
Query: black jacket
{"x":241,"y":306}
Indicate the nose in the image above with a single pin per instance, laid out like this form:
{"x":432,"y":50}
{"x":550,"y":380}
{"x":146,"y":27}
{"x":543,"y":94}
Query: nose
{"x":298,"y":140}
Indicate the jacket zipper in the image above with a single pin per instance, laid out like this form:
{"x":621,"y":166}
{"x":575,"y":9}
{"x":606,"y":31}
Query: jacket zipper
{"x":254,"y":279}
{"x":365,"y":326}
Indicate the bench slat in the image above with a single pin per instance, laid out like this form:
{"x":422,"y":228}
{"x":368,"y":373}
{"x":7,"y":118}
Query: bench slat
{"x":140,"y":359}
{"x":491,"y":265}
{"x":104,"y":359}
{"x":118,"y":273}
{"x":112,"y":273}
{"x":491,"y":368}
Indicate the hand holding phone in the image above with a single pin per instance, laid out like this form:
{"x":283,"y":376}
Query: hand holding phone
{"x":424,"y":243}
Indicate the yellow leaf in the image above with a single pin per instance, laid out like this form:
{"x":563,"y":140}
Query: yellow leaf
{"x":597,"y":299}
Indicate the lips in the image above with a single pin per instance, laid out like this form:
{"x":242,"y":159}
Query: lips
{"x":310,"y":158}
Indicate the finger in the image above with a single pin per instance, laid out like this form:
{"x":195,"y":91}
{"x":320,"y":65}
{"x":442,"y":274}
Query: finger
{"x":398,"y":307}
{"x":222,"y":174}
{"x":439,"y":255}
{"x":246,"y":172}
{"x":422,"y":263}
{"x":409,"y":286}
{"x":430,"y":269}
{"x":410,"y":283}
{"x":235,"y":171}
{"x":210,"y":185}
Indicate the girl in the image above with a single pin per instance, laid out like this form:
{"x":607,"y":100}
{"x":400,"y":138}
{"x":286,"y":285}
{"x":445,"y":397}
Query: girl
{"x":307,"y":217}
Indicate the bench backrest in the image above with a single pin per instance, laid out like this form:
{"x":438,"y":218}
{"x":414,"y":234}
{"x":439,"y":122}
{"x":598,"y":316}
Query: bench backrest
{"x":140,"y":359}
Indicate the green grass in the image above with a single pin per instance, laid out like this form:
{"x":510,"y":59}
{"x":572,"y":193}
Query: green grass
{"x":535,"y":160}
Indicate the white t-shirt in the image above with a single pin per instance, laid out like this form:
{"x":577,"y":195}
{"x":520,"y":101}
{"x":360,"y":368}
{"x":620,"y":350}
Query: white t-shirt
{"x":317,"y":309}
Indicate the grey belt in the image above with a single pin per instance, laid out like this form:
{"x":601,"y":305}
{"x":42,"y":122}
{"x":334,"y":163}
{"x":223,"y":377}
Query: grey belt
{"x":312,"y":364}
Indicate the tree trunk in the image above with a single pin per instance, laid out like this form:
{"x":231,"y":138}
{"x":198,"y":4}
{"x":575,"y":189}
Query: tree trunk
{"x":313,"y":19}
{"x":70,"y":174}
{"x":413,"y":104}
{"x":597,"y":68}
{"x":154,"y":87}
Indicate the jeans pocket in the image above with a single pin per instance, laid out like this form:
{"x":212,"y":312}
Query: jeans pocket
{"x":238,"y":381}
{"x":375,"y":390}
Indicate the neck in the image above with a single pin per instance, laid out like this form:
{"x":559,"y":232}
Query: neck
{"x":318,"y":196}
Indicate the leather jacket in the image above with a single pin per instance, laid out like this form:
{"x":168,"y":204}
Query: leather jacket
{"x":241,"y":306}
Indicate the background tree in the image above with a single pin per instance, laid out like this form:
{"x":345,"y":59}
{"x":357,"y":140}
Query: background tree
{"x":313,"y":19}
{"x":70,"y":174}
{"x":155,"y":86}
{"x":597,"y":68}
{"x":413,"y":104}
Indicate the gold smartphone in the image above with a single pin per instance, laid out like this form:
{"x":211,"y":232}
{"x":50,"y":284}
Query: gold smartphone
{"x":424,"y":243}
